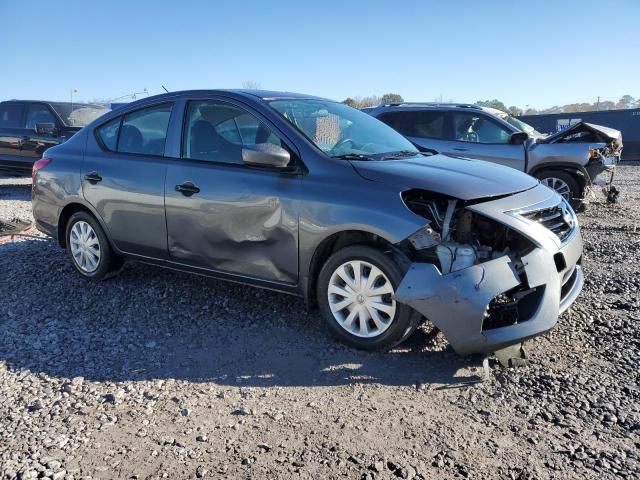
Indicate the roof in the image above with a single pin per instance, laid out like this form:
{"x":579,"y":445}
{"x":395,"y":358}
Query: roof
{"x":272,"y":95}
{"x":54,"y":102}
{"x":436,"y":105}
{"x":431,"y":104}
{"x":260,"y":94}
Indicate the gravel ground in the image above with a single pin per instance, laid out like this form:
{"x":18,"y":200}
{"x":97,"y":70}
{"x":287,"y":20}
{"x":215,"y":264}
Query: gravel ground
{"x":158,"y":374}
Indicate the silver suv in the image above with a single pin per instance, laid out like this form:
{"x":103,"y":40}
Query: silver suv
{"x":568,"y":161}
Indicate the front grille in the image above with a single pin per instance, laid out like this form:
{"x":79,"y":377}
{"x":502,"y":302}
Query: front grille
{"x":558,"y":218}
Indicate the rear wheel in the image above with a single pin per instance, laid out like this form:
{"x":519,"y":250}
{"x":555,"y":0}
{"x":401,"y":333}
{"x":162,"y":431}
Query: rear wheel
{"x":88,"y":248}
{"x":355,"y":292}
{"x":564,"y":183}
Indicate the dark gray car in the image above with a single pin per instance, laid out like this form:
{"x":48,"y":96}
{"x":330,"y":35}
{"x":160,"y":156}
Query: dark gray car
{"x":310,"y":197}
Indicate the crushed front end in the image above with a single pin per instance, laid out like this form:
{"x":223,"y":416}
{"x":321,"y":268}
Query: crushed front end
{"x":603,"y":146}
{"x":492,"y":273}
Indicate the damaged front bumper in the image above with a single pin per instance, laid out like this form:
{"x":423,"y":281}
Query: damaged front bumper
{"x":461,"y":303}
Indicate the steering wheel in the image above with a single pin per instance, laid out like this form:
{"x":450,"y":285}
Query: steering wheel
{"x":472,"y":137}
{"x":340,"y":143}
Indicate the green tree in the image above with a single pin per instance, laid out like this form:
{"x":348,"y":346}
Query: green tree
{"x":626,"y":101}
{"x":495,"y":103}
{"x":391,"y":98}
{"x":515,"y":111}
{"x":351,"y":102}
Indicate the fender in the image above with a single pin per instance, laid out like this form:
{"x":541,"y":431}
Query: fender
{"x":581,"y":173}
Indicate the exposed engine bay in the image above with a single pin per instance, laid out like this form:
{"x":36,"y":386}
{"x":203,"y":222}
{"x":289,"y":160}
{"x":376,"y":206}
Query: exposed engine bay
{"x":457,"y":238}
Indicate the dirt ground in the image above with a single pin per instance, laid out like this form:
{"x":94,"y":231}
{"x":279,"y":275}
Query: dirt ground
{"x":158,"y":374}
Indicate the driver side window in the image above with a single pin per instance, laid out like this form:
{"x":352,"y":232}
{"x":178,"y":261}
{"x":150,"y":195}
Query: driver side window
{"x":38,"y":113}
{"x":216,"y":131}
{"x":477,"y":128}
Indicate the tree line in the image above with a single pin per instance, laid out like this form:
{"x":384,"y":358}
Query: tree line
{"x":626,"y":101}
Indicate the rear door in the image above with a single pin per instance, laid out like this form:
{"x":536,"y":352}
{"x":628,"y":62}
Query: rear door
{"x":476,"y":135}
{"x":223,"y":215}
{"x":123,"y":178}
{"x":11,"y":135}
{"x":426,"y":129}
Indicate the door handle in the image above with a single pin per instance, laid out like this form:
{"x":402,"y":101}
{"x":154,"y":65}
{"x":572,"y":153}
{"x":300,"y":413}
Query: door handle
{"x":187,"y":189}
{"x":459,"y":149}
{"x":93,"y":177}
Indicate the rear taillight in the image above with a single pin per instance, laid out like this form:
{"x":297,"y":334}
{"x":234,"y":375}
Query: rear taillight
{"x":39,"y":165}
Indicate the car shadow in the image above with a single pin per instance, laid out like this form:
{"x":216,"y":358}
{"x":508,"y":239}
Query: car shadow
{"x":151,"y":323}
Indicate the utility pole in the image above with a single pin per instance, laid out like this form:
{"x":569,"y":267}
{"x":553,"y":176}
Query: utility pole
{"x":73,"y":90}
{"x":598,"y":103}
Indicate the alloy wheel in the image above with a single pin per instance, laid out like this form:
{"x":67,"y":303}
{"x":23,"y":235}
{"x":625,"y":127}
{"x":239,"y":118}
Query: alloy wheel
{"x":361,"y":299}
{"x":559,"y":186}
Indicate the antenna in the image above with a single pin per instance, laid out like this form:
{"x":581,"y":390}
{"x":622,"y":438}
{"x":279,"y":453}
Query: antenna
{"x":164,"y":88}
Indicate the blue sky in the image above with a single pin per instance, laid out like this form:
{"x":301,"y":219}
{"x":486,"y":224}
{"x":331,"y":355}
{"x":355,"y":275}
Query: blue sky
{"x":523,"y":53}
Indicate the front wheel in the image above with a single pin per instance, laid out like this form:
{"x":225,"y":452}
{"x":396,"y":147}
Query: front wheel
{"x":564,"y":183}
{"x":355,"y":292}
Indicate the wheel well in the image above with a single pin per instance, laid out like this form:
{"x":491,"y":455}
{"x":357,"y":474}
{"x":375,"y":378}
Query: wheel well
{"x":64,"y":217}
{"x":575,"y":172}
{"x":332,"y":244}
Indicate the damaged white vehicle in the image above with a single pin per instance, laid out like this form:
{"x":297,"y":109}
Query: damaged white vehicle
{"x":570,"y":161}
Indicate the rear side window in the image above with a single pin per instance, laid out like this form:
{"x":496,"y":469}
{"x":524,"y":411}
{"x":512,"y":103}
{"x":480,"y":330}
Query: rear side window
{"x":423,"y":124}
{"x":108,"y":133}
{"x":10,"y":115}
{"x":145,"y":131}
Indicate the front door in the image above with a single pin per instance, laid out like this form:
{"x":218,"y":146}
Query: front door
{"x":475,"y":135}
{"x":123,"y":179}
{"x":223,"y":215}
{"x":36,"y":143}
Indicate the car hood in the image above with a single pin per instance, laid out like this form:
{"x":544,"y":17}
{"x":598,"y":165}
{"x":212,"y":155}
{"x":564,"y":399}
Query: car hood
{"x":603,"y":134}
{"x":457,"y":177}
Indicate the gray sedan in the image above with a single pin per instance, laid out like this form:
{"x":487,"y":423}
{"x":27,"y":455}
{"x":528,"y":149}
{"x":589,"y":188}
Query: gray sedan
{"x":310,"y":197}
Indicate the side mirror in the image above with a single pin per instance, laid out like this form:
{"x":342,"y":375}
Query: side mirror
{"x":46,"y":128}
{"x":518,"y":138}
{"x":266,"y":155}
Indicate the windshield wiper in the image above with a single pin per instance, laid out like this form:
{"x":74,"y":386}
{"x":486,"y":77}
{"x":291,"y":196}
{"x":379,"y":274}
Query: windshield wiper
{"x":401,"y":154}
{"x":352,"y":156}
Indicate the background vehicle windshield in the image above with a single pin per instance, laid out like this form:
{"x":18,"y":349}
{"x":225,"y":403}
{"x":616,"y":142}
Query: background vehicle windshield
{"x":520,"y":125}
{"x":340,"y":130}
{"x":78,"y":114}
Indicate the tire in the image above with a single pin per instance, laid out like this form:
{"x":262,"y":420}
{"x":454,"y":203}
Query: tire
{"x":561,"y":181}
{"x":95,"y":259}
{"x":361,"y":330}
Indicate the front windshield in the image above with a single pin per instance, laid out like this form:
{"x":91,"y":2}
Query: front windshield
{"x":520,"y":125}
{"x":341,"y":131}
{"x":78,"y":114}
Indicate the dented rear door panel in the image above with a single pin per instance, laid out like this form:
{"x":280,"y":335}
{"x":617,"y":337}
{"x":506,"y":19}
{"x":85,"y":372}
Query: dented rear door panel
{"x":243,"y":221}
